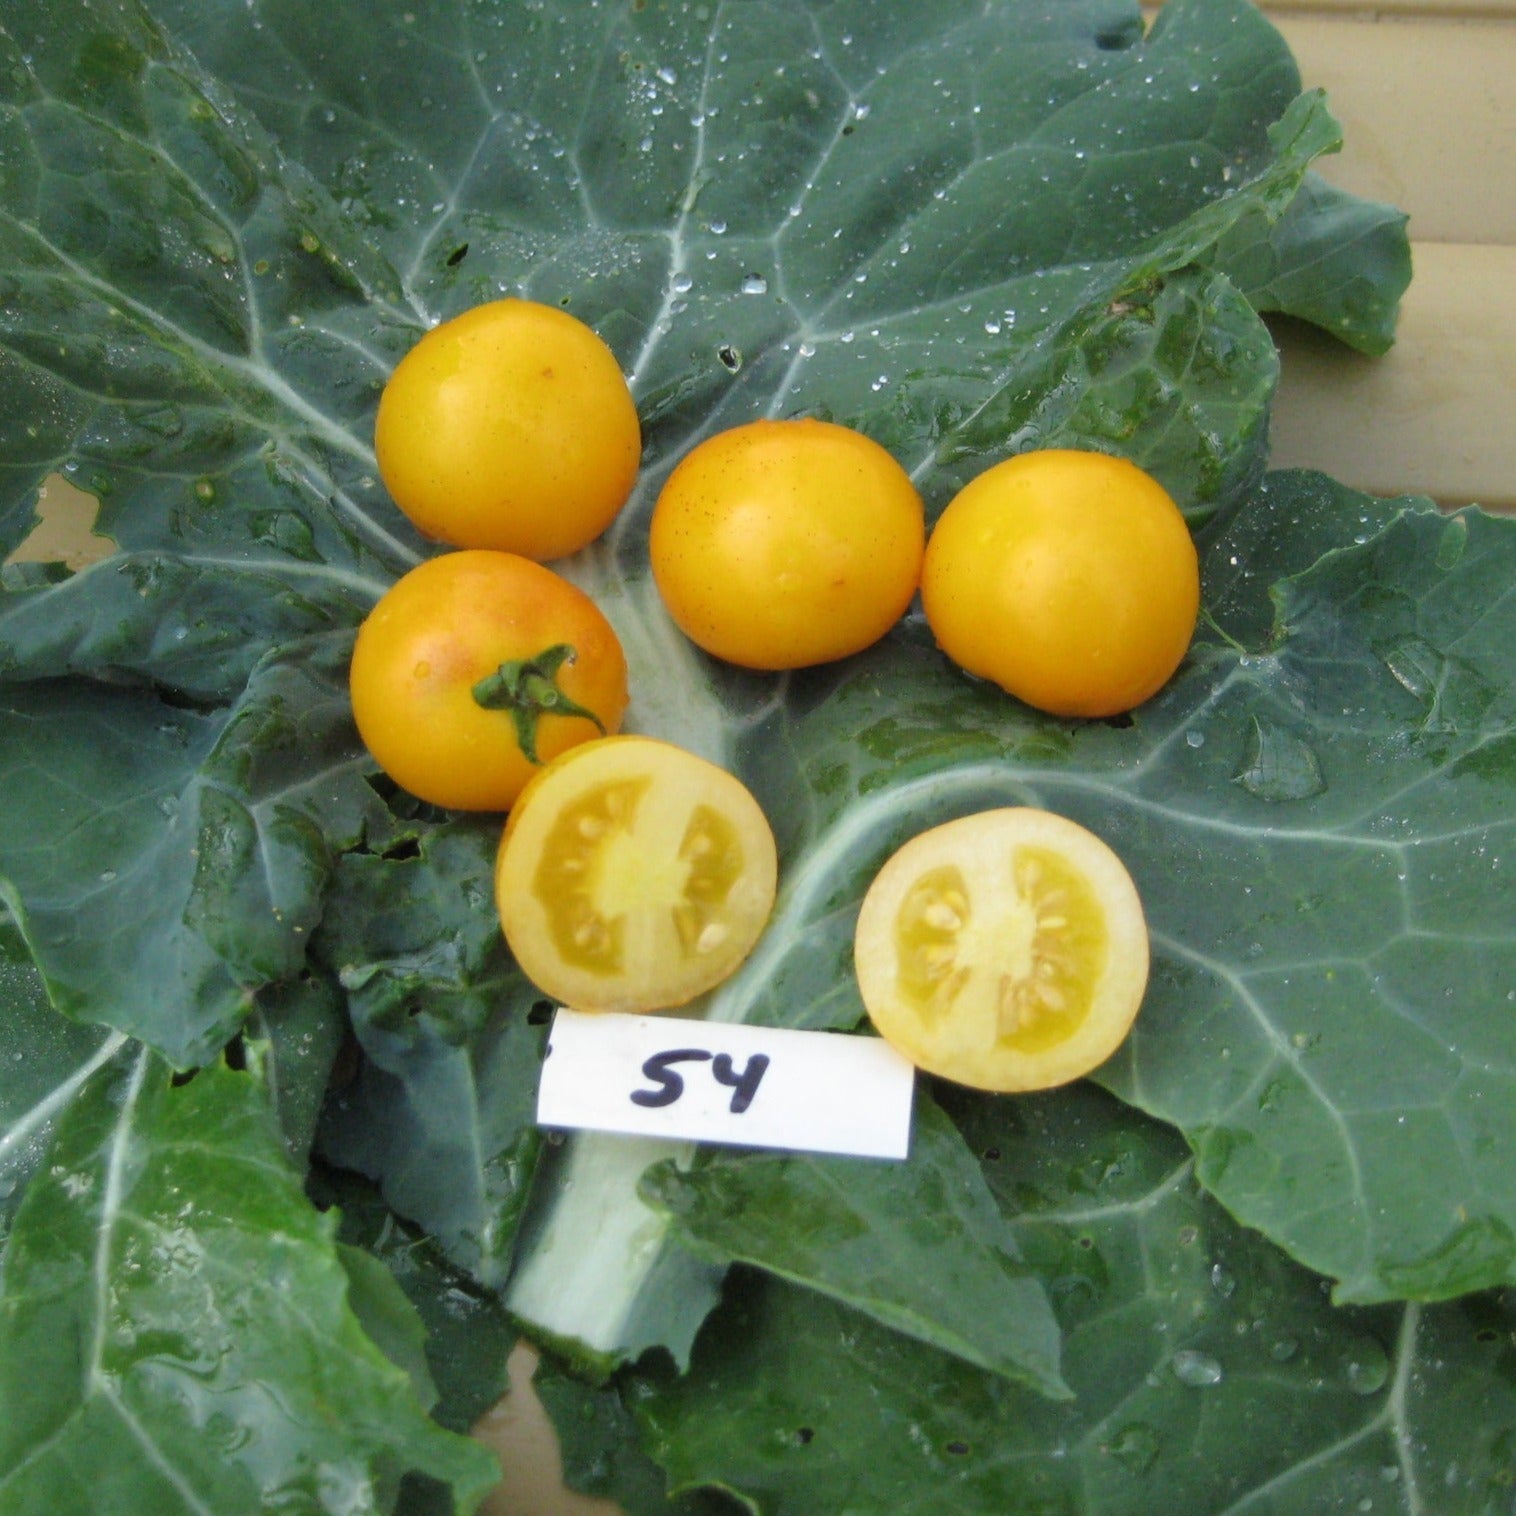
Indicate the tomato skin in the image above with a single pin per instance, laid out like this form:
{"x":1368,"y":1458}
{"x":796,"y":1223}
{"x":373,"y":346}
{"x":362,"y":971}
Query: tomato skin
{"x":509,"y":427}
{"x":446,"y":625}
{"x":1005,"y":950}
{"x":1068,"y":578}
{"x":781,"y":544}
{"x":633,"y":875}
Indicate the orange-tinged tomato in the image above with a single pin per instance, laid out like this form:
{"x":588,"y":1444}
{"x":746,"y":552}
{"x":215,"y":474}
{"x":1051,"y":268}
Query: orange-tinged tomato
{"x":509,"y":427}
{"x":477,"y":668}
{"x":781,"y":544}
{"x":1068,"y":578}
{"x":633,"y":876}
{"x":1006,"y":950}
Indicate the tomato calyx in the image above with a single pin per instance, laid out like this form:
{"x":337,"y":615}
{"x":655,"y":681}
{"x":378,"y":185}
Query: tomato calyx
{"x":526,"y":689}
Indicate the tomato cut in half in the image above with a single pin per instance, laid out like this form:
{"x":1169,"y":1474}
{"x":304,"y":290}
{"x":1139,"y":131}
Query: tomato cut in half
{"x":633,"y":876}
{"x":1005,"y":950}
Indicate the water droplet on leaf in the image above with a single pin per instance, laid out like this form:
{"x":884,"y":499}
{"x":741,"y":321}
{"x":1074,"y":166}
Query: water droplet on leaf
{"x":1196,"y":1369}
{"x":1365,"y":1366}
{"x":1279,"y":766}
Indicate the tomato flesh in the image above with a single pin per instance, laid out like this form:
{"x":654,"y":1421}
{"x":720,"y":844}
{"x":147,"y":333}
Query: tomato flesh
{"x":634,"y":878}
{"x":1006,"y":950}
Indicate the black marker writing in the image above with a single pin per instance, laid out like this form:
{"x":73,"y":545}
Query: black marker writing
{"x":670,"y":1086}
{"x":744,"y":1085}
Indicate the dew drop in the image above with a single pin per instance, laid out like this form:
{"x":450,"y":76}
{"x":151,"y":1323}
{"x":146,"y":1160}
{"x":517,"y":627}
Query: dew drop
{"x":1279,"y":766}
{"x":1196,"y":1369}
{"x":1365,"y":1366}
{"x":755,"y":284}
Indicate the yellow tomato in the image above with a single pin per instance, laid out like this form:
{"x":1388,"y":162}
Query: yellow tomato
{"x":1068,"y":578}
{"x":1005,"y":951}
{"x":633,"y":876}
{"x":475,"y":669}
{"x":509,"y":427}
{"x":781,"y":544}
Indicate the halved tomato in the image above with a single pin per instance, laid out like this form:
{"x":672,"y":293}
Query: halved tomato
{"x":633,"y":876}
{"x":1006,"y":950}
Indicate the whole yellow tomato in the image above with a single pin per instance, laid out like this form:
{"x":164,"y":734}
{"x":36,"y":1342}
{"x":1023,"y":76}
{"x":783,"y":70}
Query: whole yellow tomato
{"x":781,"y":544}
{"x":509,"y":427}
{"x":1068,"y":578}
{"x":475,"y":669}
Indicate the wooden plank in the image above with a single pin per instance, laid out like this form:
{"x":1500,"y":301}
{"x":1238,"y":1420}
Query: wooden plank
{"x":519,"y":1431}
{"x":1427,"y":110}
{"x":1398,"y":10}
{"x":1435,"y":416}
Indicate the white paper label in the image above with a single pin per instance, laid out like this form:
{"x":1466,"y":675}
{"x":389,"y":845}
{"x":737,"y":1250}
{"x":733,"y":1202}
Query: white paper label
{"x":712,"y":1081}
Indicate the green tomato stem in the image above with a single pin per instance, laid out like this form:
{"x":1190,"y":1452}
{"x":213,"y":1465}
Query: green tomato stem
{"x":526,"y":689}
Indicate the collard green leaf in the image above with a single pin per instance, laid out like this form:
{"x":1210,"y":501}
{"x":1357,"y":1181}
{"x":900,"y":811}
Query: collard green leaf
{"x":175,"y":1327}
{"x":50,"y":1058}
{"x":1210,"y":1374}
{"x":223,"y":223}
{"x":188,"y":326}
{"x":441,"y":1111}
{"x":601,"y":1455}
{"x":299,"y":1029}
{"x":1351,"y":1004}
{"x":1331,"y":258}
{"x":965,"y":231}
{"x":918,"y":1245}
{"x":468,"y":1338}
{"x":1319,"y":823}
{"x":166,"y":863}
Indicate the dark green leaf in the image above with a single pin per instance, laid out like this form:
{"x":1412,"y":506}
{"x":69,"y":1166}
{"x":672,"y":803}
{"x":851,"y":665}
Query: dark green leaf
{"x":919,"y":1245}
{"x":49,"y":1059}
{"x":175,"y":1328}
{"x":1333,"y":259}
{"x":468,"y":1337}
{"x":300,"y":1029}
{"x":1334,"y":1036}
{"x":168,"y":863}
{"x":965,"y":231}
{"x":1211,"y":1375}
{"x":597,"y":1438}
{"x":1319,"y":823}
{"x":441,"y":1111}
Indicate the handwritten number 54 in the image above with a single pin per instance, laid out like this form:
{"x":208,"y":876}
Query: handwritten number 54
{"x":670,"y":1086}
